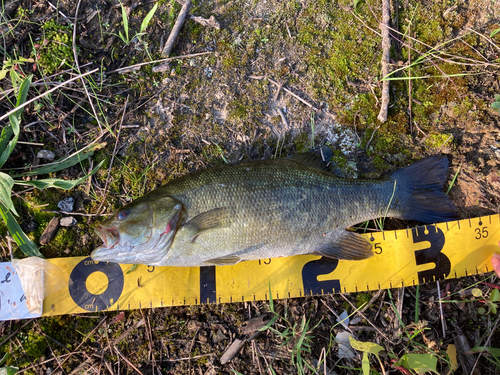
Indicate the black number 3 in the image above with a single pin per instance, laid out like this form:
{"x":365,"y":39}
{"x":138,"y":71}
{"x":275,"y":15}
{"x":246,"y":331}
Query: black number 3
{"x":481,"y":233}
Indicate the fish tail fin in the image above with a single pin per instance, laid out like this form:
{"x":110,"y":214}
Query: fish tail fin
{"x":424,"y":181}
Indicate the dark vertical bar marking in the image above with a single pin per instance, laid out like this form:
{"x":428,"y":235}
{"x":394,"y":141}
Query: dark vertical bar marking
{"x":208,"y":293}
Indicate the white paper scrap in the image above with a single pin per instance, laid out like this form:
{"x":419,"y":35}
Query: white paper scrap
{"x":12,"y":299}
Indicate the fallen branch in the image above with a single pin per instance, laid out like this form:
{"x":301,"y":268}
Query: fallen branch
{"x":176,"y":29}
{"x":386,"y":48}
{"x":169,"y":45}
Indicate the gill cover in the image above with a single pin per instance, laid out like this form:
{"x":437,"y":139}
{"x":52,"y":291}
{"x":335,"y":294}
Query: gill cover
{"x":140,"y":232}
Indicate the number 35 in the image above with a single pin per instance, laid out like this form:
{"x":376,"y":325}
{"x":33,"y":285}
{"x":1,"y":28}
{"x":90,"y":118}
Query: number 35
{"x":481,"y":233}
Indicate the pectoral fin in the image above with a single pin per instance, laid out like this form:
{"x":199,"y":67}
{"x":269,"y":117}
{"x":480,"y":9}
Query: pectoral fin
{"x":349,"y":246}
{"x":216,"y":218}
{"x":223,"y":261}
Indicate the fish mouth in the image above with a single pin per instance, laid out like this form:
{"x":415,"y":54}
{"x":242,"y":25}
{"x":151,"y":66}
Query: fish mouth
{"x":110,"y":236}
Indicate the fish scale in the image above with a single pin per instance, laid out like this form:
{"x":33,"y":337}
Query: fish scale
{"x":274,"y":208}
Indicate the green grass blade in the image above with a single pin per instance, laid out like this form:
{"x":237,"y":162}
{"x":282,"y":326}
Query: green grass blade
{"x":6,"y":184}
{"x":271,"y":302}
{"x":8,"y":370}
{"x":8,"y":150}
{"x":147,"y":19}
{"x":125,"y":21}
{"x":454,"y":179}
{"x":4,"y":138}
{"x":58,"y":183}
{"x":63,"y":163}
{"x":494,"y":32}
{"x":23,"y":93}
{"x":14,"y":119}
{"x":27,"y":246}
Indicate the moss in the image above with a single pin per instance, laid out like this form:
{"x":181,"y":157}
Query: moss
{"x":237,"y":110}
{"x":56,"y":50}
{"x":362,"y":299}
{"x":436,"y":140}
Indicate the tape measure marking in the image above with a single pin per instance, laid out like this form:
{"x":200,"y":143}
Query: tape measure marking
{"x":95,"y":301}
{"x":427,"y":253}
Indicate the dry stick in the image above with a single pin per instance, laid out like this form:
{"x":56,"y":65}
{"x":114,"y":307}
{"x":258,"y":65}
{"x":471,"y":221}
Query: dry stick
{"x":173,"y":35}
{"x":46,"y":93}
{"x":159,"y":61}
{"x":47,"y":361}
{"x":102,"y":352}
{"x":386,"y":49}
{"x":409,"y":81}
{"x":126,"y":360}
{"x":285,"y":89}
{"x":485,"y":37}
{"x":75,"y":55}
{"x":294,"y":95}
{"x":283,"y":118}
{"x":441,"y":309}
{"x":150,"y":341}
{"x":364,"y":317}
{"x":112,"y":158}
{"x":79,"y":345}
{"x":485,"y":344}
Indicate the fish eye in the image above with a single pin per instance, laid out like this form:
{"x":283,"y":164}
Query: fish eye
{"x":122,"y":215}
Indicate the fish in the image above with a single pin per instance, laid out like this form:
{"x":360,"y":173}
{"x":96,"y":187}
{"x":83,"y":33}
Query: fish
{"x":267,"y":209}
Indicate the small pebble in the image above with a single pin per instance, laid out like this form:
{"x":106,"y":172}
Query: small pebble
{"x":67,"y":221}
{"x":46,"y":154}
{"x":66,"y":204}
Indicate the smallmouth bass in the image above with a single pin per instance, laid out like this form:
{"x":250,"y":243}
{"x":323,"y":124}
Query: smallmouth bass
{"x":268,"y":209}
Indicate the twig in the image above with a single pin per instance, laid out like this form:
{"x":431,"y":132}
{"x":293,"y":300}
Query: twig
{"x":46,"y":93}
{"x":75,"y":55}
{"x":368,"y":144}
{"x":159,"y":61}
{"x":169,"y":45}
{"x":150,"y":341}
{"x":294,"y":95}
{"x":492,"y":331}
{"x":386,"y":49}
{"x":284,"y":88}
{"x":409,"y":81}
{"x":441,"y":309}
{"x":61,"y":13}
{"x":47,"y":361}
{"x":485,"y":37}
{"x":112,"y":158}
{"x":30,"y":143}
{"x":79,"y":345}
{"x":365,"y":317}
{"x":126,"y":360}
{"x":283,"y":118}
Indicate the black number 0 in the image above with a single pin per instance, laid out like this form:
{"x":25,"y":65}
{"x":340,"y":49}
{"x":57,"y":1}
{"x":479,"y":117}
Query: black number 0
{"x":481,"y":233}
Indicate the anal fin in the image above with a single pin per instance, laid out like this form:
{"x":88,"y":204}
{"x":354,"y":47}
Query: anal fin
{"x":349,"y":246}
{"x":223,"y":261}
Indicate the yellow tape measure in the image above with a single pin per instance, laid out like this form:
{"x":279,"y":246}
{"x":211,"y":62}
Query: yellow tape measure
{"x":402,"y":258}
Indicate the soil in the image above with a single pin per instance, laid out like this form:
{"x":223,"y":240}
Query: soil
{"x":276,"y":78}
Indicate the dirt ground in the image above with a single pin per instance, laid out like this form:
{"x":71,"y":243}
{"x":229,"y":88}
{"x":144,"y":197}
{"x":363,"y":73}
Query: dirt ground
{"x":269,"y":78}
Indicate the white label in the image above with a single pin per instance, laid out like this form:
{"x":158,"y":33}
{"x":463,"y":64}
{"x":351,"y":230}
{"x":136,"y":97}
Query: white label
{"x":12,"y":299}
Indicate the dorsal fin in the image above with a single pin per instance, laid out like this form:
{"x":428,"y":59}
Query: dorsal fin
{"x":314,"y":158}
{"x":317,"y":158}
